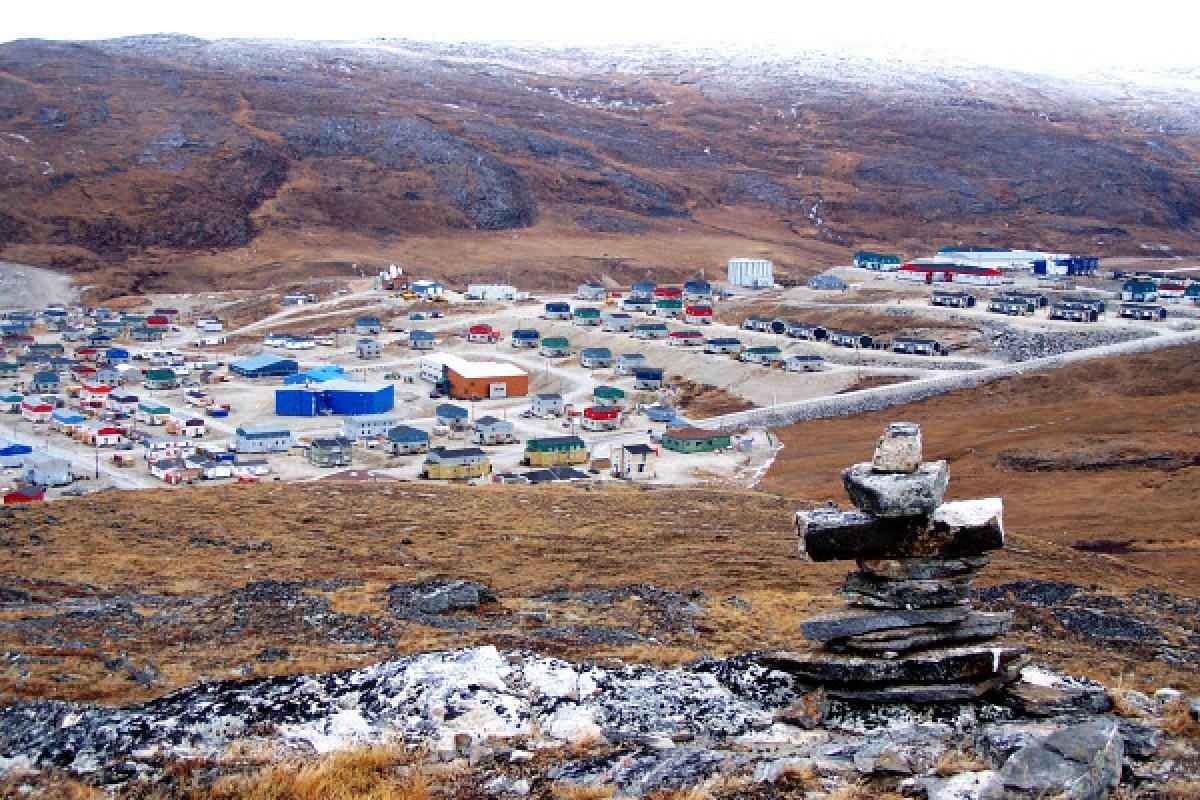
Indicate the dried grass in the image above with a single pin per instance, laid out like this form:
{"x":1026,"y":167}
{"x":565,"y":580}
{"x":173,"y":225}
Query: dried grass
{"x":379,"y":772}
{"x":573,"y":791}
{"x":1180,"y":790}
{"x":952,"y":762}
{"x":1178,"y":721}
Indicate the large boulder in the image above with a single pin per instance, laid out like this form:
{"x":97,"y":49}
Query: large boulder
{"x":1079,"y":762}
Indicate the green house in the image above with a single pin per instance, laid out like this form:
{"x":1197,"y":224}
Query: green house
{"x":766,"y":354}
{"x":608,"y":395}
{"x":587,"y":316}
{"x":694,"y":440}
{"x":554,"y":451}
{"x":7,"y":368}
{"x":555,"y":347}
{"x":160,"y":379}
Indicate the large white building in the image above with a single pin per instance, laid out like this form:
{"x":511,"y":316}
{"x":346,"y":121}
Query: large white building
{"x":986,"y":258}
{"x":492,"y":292}
{"x":754,"y":273}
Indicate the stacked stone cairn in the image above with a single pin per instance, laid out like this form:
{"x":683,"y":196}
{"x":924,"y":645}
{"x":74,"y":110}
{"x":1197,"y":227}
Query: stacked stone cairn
{"x":909,"y":634}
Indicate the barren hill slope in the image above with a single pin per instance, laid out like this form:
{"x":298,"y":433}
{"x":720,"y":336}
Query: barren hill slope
{"x":163,"y":161}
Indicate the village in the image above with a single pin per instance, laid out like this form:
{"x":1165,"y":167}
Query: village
{"x":390,"y":379}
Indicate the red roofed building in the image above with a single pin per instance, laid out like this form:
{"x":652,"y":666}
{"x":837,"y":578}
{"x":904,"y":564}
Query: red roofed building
{"x":601,"y":418}
{"x":94,"y":395}
{"x":668,"y":293}
{"x":699,"y":315}
{"x":34,"y":411}
{"x":935,"y":272}
{"x":28,"y":494}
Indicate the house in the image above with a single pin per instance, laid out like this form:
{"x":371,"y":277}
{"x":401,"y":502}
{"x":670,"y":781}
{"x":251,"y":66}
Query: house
{"x":642,"y":290}
{"x":843,"y":338}
{"x":1086,"y":303}
{"x":42,"y":469}
{"x":753,"y":273}
{"x":526,"y":338}
{"x":651,"y":330}
{"x":1172,"y":292}
{"x":634,"y":462}
{"x":617,"y":321}
{"x":44,"y":382}
{"x":762,"y":354}
{"x":25,"y":494}
{"x":828,"y":283}
{"x":625,"y":363}
{"x":421,"y":340}
{"x":591,"y":291}
{"x":99,"y":434}
{"x":945,"y":272}
{"x":555,"y":347}
{"x":553,"y":475}
{"x":647,"y":378}
{"x":949,"y":299}
{"x":595,"y":358}
{"x":697,"y":290}
{"x":806,"y":331}
{"x":1192,"y":293}
{"x":668,"y":293}
{"x":298,"y":299}
{"x":368,"y":326}
{"x":760,"y":324}
{"x":555,"y":451}
{"x":661,"y":414}
{"x":144,"y":333}
{"x":36,"y":410}
{"x":264,"y":365}
{"x":586,"y":316}
{"x":368,"y":348}
{"x":601,"y":418}
{"x":404,"y":440}
{"x":474,"y":380}
{"x":879,"y":262}
{"x":149,"y":413}
{"x":492,"y":430}
{"x":609,"y":396}
{"x":110,"y":376}
{"x":175,"y":471}
{"x":208,"y":468}
{"x":667,"y":307}
{"x":12,"y":454}
{"x":491,"y":292}
{"x":332,"y":452}
{"x":1012,"y":306}
{"x":698,"y":315}
{"x":10,"y":403}
{"x":428,"y":289}
{"x":686,"y":339}
{"x":482,"y":333}
{"x":641,"y":304}
{"x":262,"y":438}
{"x":160,"y":378}
{"x":694,"y":440}
{"x":443,"y":463}
{"x":1071,"y":313}
{"x":917,"y":347}
{"x":452,"y":416}
{"x":803,"y":363}
{"x":65,"y":421}
{"x":367,"y":426}
{"x":547,"y":405}
{"x":156,"y":448}
{"x":1139,"y":291}
{"x":557,"y":310}
{"x":1136,"y":311}
{"x":1037,"y":299}
{"x":723,"y":344}
{"x":94,"y":395}
{"x":186,"y":424}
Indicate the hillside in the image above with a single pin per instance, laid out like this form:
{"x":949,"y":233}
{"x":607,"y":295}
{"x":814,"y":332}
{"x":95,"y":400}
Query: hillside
{"x":166,"y":162}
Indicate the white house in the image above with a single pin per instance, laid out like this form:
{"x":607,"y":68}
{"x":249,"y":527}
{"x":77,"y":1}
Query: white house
{"x":547,"y":405}
{"x":368,"y":426}
{"x":634,"y":462}
{"x":491,"y":292}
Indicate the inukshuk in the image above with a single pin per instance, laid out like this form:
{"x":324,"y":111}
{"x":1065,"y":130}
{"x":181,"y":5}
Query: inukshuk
{"x":909,"y":634}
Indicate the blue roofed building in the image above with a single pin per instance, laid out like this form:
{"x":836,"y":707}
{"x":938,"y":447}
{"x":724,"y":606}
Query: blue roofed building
{"x":264,"y":365}
{"x":321,"y":374}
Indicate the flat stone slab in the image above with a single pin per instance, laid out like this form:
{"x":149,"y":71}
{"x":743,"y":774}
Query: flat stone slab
{"x":977,"y":626}
{"x":853,"y":622}
{"x":956,"y":530}
{"x":922,"y":693}
{"x":955,"y":665}
{"x":896,"y":494}
{"x":922,"y":569}
{"x":867,"y":590}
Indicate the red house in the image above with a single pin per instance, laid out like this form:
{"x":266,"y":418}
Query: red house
{"x":483,"y":333}
{"x":687,"y":338}
{"x":94,"y":395}
{"x":36,"y":412}
{"x":668,"y":293}
{"x":601,"y":418}
{"x":87,"y":354}
{"x":700,"y":315}
{"x":28,"y":494}
{"x":157,"y":321}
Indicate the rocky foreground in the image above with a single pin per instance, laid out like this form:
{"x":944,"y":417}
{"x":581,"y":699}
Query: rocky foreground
{"x":636,"y":728}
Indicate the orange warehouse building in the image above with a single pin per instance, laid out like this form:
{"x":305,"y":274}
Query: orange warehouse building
{"x":476,"y":380}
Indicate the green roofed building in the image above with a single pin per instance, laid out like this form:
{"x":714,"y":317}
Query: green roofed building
{"x":160,"y":379}
{"x":694,"y":440}
{"x":555,"y":451}
{"x":609,"y":395}
{"x":7,"y":368}
{"x":555,"y":347}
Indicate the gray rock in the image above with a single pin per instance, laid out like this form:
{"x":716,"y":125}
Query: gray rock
{"x":866,"y":590}
{"x":1080,"y":762}
{"x":1043,"y":692}
{"x":923,"y":693}
{"x":898,"y":449}
{"x":922,"y":569}
{"x":977,"y":626}
{"x":969,"y":664}
{"x":964,"y":786}
{"x":853,"y":622}
{"x":957,"y":530}
{"x":896,"y":494}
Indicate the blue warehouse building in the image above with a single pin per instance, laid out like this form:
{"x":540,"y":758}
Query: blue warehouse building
{"x":349,"y":398}
{"x":264,"y":365}
{"x":322,"y":374}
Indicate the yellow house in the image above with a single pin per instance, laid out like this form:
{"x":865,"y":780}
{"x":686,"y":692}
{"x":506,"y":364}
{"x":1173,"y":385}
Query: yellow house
{"x":556,"y":451}
{"x":446,"y":464}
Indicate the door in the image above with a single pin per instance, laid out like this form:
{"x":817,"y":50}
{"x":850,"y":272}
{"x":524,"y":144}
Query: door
{"x":498,"y":390}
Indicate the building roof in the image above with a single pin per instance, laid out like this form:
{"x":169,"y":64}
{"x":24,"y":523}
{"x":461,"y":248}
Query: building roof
{"x":489,"y":421}
{"x":555,"y":441}
{"x":556,"y":341}
{"x":693,"y":433}
{"x":451,"y":411}
{"x":332,"y":441}
{"x":648,"y":371}
{"x":407,"y":433}
{"x":262,"y":429}
{"x":596,"y":352}
{"x":549,"y":396}
{"x":638,"y":449}
{"x":259,"y":361}
{"x":381,"y":417}
{"x":421,"y":334}
{"x":460,"y":452}
{"x":554,"y":474}
{"x":477,"y":369}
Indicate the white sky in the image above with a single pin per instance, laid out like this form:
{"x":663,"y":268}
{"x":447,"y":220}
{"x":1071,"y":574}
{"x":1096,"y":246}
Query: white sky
{"x":1040,"y":35}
